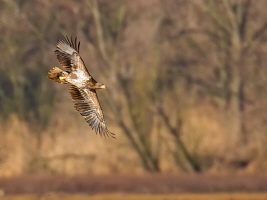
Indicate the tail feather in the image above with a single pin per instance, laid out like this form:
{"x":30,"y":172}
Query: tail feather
{"x":57,"y":75}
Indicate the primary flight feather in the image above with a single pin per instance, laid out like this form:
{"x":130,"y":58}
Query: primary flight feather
{"x":83,"y":86}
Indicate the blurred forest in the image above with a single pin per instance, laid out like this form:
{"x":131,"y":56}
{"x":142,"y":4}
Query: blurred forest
{"x":186,"y":86}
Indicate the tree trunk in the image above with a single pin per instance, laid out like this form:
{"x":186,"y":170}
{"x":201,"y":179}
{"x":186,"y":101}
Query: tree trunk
{"x":234,"y":97}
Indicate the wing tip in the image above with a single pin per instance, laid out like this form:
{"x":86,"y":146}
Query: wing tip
{"x":69,"y":40}
{"x":106,"y":133}
{"x":111,"y":135}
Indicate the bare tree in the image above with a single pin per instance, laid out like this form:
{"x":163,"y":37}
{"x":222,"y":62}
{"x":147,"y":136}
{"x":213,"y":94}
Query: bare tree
{"x":131,"y":106}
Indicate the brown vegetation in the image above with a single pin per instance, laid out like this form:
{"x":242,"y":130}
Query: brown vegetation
{"x":186,"y":86}
{"x":142,"y":184}
{"x":186,"y":196}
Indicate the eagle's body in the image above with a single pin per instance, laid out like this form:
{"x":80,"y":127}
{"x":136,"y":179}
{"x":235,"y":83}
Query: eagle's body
{"x":78,"y":78}
{"x":83,"y":86}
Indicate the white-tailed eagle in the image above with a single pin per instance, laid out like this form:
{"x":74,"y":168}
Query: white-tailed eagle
{"x":83,"y":85}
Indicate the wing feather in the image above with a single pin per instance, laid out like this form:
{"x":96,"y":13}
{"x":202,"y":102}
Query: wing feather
{"x":86,"y":103}
{"x":67,"y":52}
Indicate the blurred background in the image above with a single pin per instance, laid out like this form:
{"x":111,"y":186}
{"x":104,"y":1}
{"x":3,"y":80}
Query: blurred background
{"x":186,"y":87}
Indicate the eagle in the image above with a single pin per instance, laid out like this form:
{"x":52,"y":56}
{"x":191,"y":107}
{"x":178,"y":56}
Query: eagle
{"x":82,"y":85}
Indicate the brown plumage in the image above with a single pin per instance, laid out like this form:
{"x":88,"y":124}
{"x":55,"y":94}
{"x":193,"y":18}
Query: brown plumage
{"x":83,"y":86}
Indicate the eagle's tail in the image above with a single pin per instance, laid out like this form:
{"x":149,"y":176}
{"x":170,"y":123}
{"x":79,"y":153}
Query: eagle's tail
{"x":58,"y":75}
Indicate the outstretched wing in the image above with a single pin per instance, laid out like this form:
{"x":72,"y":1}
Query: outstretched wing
{"x":67,"y":52}
{"x":86,"y":103}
